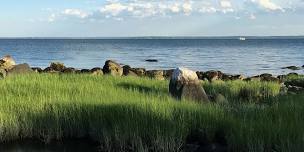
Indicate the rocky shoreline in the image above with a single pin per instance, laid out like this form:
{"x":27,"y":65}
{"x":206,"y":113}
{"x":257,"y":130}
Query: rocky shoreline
{"x":8,"y":67}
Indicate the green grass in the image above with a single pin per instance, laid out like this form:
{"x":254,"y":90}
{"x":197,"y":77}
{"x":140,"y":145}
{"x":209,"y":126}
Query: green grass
{"x":137,"y":114}
{"x":242,"y":91}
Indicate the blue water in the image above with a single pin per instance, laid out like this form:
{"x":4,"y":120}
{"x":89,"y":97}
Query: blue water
{"x":250,"y":57}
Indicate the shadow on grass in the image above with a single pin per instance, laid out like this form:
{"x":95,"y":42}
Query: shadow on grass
{"x":141,"y":88}
{"x":117,"y":127}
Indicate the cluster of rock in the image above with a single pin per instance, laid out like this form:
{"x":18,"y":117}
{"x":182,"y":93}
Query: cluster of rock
{"x":8,"y":67}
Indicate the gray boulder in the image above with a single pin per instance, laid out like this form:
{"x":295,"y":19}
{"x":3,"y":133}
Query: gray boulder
{"x":112,"y":68}
{"x":184,"y":84}
{"x":20,"y":69}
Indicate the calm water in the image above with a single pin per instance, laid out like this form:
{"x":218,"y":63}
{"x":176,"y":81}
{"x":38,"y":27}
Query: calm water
{"x":250,"y":57}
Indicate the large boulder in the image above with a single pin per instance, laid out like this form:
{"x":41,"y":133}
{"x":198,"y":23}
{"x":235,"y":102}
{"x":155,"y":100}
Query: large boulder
{"x":128,"y":71}
{"x":57,"y":66}
{"x":20,"y":69}
{"x":97,"y":71}
{"x":184,"y":84}
{"x":213,"y":75}
{"x":7,"y":62}
{"x":156,"y":74}
{"x":112,"y":68}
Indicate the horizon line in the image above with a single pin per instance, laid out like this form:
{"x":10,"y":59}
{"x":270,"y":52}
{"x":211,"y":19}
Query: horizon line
{"x":153,"y":37}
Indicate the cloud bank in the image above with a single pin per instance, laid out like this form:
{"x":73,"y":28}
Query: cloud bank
{"x":124,"y":9}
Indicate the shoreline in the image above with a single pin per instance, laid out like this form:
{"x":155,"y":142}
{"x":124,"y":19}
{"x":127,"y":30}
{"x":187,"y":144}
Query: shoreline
{"x":211,"y":75}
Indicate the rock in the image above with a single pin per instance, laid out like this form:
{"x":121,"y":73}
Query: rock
{"x":85,"y":71}
{"x":168,"y":73}
{"x":302,"y":66}
{"x":212,"y":75}
{"x":292,"y":74}
{"x":237,"y":77}
{"x":97,"y":71}
{"x":37,"y":69}
{"x":2,"y":73}
{"x":50,"y":70}
{"x":151,"y":60}
{"x":69,"y":70}
{"x":226,"y":77}
{"x":292,"y":68}
{"x":20,"y":69}
{"x":7,"y":62}
{"x":201,"y":75}
{"x":295,"y":82}
{"x":266,"y":75}
{"x":295,"y":89}
{"x":184,"y":84}
{"x":139,"y":71}
{"x":254,"y":78}
{"x":156,"y":74}
{"x":220,"y":75}
{"x":112,"y":68}
{"x":127,"y":71}
{"x":57,"y":66}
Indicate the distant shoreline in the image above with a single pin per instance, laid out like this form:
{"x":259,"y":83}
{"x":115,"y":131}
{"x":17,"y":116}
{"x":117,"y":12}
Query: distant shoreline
{"x":164,"y":37}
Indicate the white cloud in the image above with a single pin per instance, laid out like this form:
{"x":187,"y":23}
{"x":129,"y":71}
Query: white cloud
{"x":114,"y":8}
{"x":175,"y":8}
{"x":268,"y":5}
{"x":225,"y":4}
{"x":187,"y":7}
{"x":52,"y":18}
{"x":123,"y":9}
{"x":75,"y":12}
{"x":206,"y":9}
{"x":252,"y":16}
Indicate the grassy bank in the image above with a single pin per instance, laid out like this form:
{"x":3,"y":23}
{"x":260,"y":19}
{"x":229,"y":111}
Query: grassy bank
{"x":137,"y":114}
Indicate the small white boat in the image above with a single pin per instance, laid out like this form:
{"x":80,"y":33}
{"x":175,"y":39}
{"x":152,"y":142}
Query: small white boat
{"x":242,"y":38}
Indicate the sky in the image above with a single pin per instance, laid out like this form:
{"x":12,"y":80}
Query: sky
{"x":131,"y":18}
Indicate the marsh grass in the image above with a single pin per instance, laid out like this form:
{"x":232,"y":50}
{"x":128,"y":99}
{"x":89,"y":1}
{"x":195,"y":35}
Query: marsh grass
{"x":242,"y":91}
{"x":137,"y":114}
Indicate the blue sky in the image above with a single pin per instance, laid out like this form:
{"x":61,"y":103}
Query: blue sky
{"x":115,"y":18}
